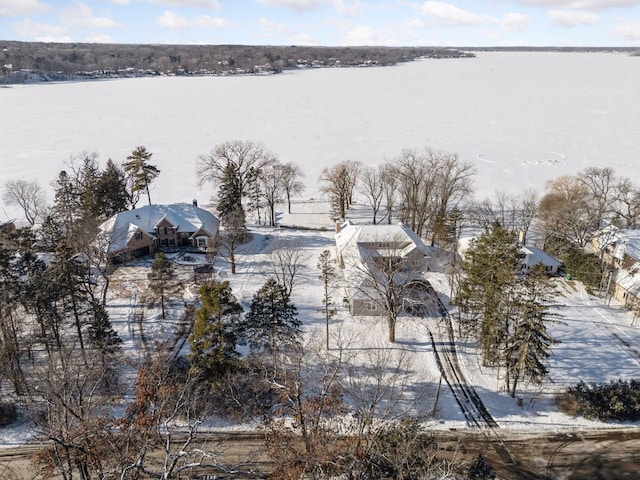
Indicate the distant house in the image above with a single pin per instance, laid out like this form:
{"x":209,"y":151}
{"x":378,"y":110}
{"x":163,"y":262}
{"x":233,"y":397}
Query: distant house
{"x":536,"y":256}
{"x":619,"y":250}
{"x":359,"y":247}
{"x":145,"y":230}
{"x":530,"y":256}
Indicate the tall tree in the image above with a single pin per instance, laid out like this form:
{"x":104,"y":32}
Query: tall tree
{"x":485,"y":298}
{"x":271,"y":323}
{"x":111,"y":191}
{"x":240,"y":155}
{"x":327,"y":268}
{"x":213,"y":339}
{"x":291,"y":174}
{"x":231,"y":213}
{"x":271,"y":179}
{"x":139,"y":174}
{"x":372,"y":187}
{"x":529,"y":345}
{"x":339,"y":183}
{"x":162,"y":280}
{"x":28,"y":195}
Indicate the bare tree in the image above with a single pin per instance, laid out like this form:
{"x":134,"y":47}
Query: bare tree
{"x":627,"y":196}
{"x":287,"y":262}
{"x":271,"y":179}
{"x":291,"y":175}
{"x":390,"y":181}
{"x":327,"y":268}
{"x":372,"y":187}
{"x":339,"y":183}
{"x":564,"y":210}
{"x":600,"y":184}
{"x":28,"y":195}
{"x":241,"y":155}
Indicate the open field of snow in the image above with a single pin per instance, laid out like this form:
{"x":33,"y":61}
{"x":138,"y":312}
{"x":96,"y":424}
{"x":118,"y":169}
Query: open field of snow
{"x":521,"y":118}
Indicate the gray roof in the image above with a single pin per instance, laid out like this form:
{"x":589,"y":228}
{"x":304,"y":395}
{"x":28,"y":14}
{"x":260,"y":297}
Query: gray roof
{"x":185,"y":217}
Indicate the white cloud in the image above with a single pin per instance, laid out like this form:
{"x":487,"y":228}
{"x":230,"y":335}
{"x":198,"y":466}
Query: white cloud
{"x":82,"y":15}
{"x":449,"y":14}
{"x":563,"y":18}
{"x":628,"y":30}
{"x":515,"y":21}
{"x":297,"y":5}
{"x":174,"y":21}
{"x":100,"y":39}
{"x":10,"y":8}
{"x":366,"y":35}
{"x":268,"y":25}
{"x":118,"y":2}
{"x":212,"y":4}
{"x":582,"y":4}
{"x":353,"y":9}
{"x":41,"y":32}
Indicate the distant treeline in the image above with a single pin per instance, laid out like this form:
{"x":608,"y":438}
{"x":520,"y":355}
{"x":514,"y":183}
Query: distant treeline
{"x":634,"y":51}
{"x":33,"y":61}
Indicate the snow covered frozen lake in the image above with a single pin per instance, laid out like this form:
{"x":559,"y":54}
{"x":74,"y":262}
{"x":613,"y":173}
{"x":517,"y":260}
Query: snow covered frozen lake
{"x":521,"y":118}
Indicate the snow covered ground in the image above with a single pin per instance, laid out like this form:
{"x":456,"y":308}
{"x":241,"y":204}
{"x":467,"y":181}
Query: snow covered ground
{"x":522,"y":118}
{"x":599,"y":342}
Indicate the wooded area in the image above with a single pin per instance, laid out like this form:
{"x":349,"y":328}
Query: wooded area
{"x":59,"y":61}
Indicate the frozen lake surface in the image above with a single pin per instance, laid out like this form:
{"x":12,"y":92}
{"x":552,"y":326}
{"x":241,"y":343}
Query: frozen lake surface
{"x":521,"y":118}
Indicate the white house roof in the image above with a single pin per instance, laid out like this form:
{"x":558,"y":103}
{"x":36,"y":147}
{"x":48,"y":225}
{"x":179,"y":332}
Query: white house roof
{"x":351,"y":235}
{"x":534,"y":256}
{"x":620,"y":242}
{"x":629,"y":279}
{"x":185,"y":217}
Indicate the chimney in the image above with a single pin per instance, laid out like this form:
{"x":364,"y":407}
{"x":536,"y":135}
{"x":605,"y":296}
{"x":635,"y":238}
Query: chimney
{"x":522,"y":239}
{"x":338,"y":227}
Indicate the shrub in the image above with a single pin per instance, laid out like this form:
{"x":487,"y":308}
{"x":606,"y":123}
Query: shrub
{"x":8,"y":413}
{"x":614,"y":401}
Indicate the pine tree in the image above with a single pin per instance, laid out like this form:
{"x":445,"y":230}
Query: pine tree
{"x":110,"y":191}
{"x":162,"y":280}
{"x":485,"y":294}
{"x":213,"y":340}
{"x":271,"y":323}
{"x":529,"y":346}
{"x":139,"y":174}
{"x":101,"y":333}
{"x":231,"y":212}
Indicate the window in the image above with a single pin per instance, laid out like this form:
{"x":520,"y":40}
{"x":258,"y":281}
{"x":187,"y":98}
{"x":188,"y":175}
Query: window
{"x":370,"y":306}
{"x":166,"y":230}
{"x":138,"y":236}
{"x":202,"y":242}
{"x":172,"y":242}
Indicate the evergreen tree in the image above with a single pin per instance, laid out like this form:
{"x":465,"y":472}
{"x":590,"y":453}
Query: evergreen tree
{"x":162,"y":280}
{"x":230,"y":195}
{"x":485,"y":301}
{"x":271,"y":323}
{"x":213,"y":340}
{"x":139,"y":174}
{"x":101,"y":333}
{"x":231,"y":212}
{"x":110,"y":191}
{"x":529,"y":345}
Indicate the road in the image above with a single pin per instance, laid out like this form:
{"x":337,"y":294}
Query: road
{"x":591,"y":455}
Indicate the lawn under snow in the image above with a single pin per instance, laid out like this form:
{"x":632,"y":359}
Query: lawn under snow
{"x":591,"y":333}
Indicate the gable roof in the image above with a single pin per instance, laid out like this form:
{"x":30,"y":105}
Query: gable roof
{"x":363,"y":236}
{"x":185,"y":217}
{"x":534,"y":256}
{"x":620,"y":241}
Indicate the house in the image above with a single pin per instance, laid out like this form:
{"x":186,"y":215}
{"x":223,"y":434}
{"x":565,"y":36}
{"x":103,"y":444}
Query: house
{"x":530,"y":256}
{"x":145,"y":230}
{"x":619,"y":250}
{"x":360,"y":247}
{"x":535,"y":256}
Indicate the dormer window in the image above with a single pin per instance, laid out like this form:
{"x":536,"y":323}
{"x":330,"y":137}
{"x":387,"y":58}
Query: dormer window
{"x":138,"y":235}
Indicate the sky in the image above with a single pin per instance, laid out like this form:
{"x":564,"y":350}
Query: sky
{"x":326,"y":22}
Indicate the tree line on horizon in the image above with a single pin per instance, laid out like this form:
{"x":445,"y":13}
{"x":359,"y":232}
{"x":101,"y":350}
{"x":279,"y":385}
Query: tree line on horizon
{"x":78,"y":58}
